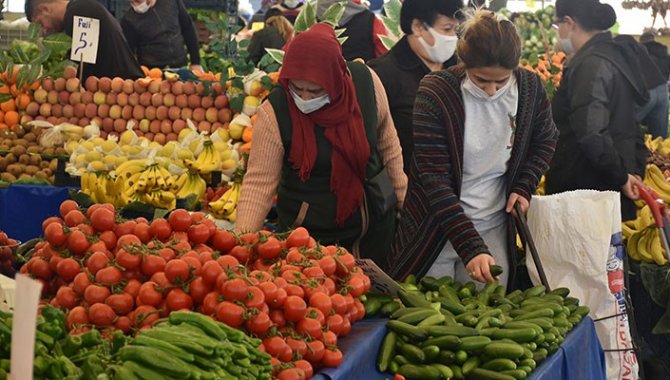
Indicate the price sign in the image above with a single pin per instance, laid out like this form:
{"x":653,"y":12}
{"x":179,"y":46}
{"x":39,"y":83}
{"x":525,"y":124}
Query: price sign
{"x":381,"y":282}
{"x":23,"y":327}
{"x":85,"y":36}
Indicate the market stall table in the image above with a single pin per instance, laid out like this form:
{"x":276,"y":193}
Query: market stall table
{"x":579,"y":357}
{"x":23,"y":208}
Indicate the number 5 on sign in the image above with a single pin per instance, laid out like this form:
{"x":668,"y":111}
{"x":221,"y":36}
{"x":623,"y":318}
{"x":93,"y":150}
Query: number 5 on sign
{"x":85,"y":35}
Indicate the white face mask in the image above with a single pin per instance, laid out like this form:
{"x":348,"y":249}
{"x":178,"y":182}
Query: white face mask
{"x":566,"y":46}
{"x":309,"y":106}
{"x":443,"y":47}
{"x":291,"y":3}
{"x":477,"y":92}
{"x":142,"y":7}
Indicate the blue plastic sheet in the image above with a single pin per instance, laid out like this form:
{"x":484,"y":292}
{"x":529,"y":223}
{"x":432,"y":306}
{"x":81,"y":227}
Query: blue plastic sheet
{"x":23,"y":208}
{"x":580,"y":355}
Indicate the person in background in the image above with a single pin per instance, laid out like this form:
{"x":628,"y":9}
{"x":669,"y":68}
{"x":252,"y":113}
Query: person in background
{"x":157,"y":31}
{"x":483,"y":138}
{"x":259,"y":16}
{"x":655,"y":113}
{"x":601,"y":145}
{"x":114,"y":57}
{"x":362,"y":28}
{"x":289,"y":9}
{"x":324,"y":142}
{"x":428,"y":45}
{"x":277,"y":32}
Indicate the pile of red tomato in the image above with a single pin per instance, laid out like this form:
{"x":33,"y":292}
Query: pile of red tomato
{"x":298,"y":296}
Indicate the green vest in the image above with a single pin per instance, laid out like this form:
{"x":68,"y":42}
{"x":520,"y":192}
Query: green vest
{"x":311,"y":203}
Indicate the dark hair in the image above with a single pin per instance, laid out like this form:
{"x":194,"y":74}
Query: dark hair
{"x":589,"y":14}
{"x":271,"y":13}
{"x":487,"y":40}
{"x":427,"y":11}
{"x":30,"y":7}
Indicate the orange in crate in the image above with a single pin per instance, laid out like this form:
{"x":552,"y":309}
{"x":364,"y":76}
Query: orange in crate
{"x":11,"y":118}
{"x":7,"y":106}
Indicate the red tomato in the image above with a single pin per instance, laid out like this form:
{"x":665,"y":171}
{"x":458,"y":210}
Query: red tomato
{"x":274,"y":345}
{"x":294,"y":308}
{"x":313,"y":272}
{"x":210,"y":271}
{"x":295,"y":290}
{"x":180,"y":220}
{"x":328,"y":265}
{"x":132,"y":287}
{"x":198,"y":233}
{"x":144,"y":315}
{"x":356,"y":286}
{"x":230,"y":314}
{"x":167,"y":253}
{"x":269,"y":290}
{"x":194,"y":264}
{"x":160,"y":229}
{"x":329,"y":285}
{"x":298,"y":346}
{"x":121,"y":303}
{"x":142,"y":231}
{"x":277,"y":317}
{"x":305,"y":366}
{"x":67,"y":297}
{"x":152,"y":264}
{"x":125,"y":228}
{"x":96,"y":294}
{"x":54,"y":234}
{"x":109,"y":238}
{"x":177,"y":299}
{"x":124,"y":324}
{"x":291,"y":374}
{"x":103,"y":219}
{"x":223,"y":241}
{"x":96,"y":262}
{"x":127,"y":260}
{"x":322,"y":302}
{"x":270,"y":249}
{"x":40,"y":269}
{"x":335,"y":323}
{"x":332,"y":358}
{"x":205,"y":256}
{"x":67,"y":206}
{"x":198,"y":290}
{"x":210,"y":303}
{"x":77,"y":243}
{"x":235,"y":289}
{"x":50,"y":220}
{"x":346,"y":263}
{"x":242,"y":253}
{"x":80,"y":283}
{"x":346,"y":327}
{"x":177,"y":271}
{"x":329,"y":338}
{"x":255,"y":298}
{"x":310,"y":326}
{"x":259,"y":324}
{"x":295,"y":257}
{"x":228,"y":261}
{"x":74,"y":218}
{"x":109,"y":276}
{"x":67,"y":269}
{"x":298,"y":238}
{"x":149,"y":294}
{"x":76,"y":317}
{"x":315,"y":351}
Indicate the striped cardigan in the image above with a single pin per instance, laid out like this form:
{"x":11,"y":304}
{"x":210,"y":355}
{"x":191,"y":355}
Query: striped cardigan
{"x":432,"y":213}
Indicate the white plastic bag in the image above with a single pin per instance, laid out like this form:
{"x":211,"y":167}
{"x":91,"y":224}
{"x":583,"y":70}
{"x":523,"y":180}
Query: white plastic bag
{"x":578,"y":238}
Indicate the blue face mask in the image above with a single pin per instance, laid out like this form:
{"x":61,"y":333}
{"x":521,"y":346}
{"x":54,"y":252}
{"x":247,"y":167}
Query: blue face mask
{"x":309,"y":106}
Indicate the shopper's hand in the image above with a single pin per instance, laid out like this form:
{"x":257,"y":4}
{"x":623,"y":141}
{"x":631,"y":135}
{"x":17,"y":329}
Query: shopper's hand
{"x":196,"y":68}
{"x":479,"y":268}
{"x":513,"y":198}
{"x":631,"y":188}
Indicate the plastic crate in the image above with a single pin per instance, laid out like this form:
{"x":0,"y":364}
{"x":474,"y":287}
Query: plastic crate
{"x":9,"y":34}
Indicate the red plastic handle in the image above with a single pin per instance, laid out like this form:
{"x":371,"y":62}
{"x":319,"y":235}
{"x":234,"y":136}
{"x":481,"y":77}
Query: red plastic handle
{"x":657,"y":208}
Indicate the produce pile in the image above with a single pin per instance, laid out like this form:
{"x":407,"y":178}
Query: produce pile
{"x":8,"y":258}
{"x":185,"y":345}
{"x":299,"y":297}
{"x":22,"y":158}
{"x":536,"y":31}
{"x":444,"y":329}
{"x":549,"y":66}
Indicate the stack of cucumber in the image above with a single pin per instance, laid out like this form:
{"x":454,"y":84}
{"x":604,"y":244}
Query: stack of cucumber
{"x":442,"y":329}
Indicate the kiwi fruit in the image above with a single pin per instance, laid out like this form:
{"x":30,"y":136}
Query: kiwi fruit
{"x":22,"y":142}
{"x":61,"y":150}
{"x":7,"y":177}
{"x":18,"y":150}
{"x":24,"y":159}
{"x":35,"y":159}
{"x":44,"y":164}
{"x":41,"y":175}
{"x":3,"y":164}
{"x":33,"y":149}
{"x":31,"y":169}
{"x":15,"y":169}
{"x":47,"y":172}
{"x":25,"y":176}
{"x":11,"y":158}
{"x":53,"y":165}
{"x":48,"y":151}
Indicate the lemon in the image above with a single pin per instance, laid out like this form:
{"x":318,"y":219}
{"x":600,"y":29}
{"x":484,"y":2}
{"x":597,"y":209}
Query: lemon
{"x":93,"y":155}
{"x":97,"y":166}
{"x":228,"y":164}
{"x":184,"y":154}
{"x":71,"y":146}
{"x":108,"y":146}
{"x":128,"y":137}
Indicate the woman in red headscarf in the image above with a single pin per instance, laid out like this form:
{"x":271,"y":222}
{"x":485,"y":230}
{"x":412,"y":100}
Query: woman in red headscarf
{"x":325,"y":143}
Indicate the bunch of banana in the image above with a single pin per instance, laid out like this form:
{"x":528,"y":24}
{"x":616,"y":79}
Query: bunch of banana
{"x":99,"y":186}
{"x":208,"y":160}
{"x":646,"y":246}
{"x":191,"y":183}
{"x":226,"y":206}
{"x":130,"y":168}
{"x":654,"y":178}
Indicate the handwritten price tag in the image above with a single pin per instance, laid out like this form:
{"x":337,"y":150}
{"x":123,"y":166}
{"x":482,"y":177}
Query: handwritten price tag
{"x":381,"y":282}
{"x":85,"y":36}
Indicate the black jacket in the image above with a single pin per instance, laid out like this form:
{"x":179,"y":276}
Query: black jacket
{"x":268,"y":37}
{"x":600,"y":140}
{"x":114,"y":58}
{"x":158,"y":36}
{"x":401,"y":70}
{"x":659,"y":54}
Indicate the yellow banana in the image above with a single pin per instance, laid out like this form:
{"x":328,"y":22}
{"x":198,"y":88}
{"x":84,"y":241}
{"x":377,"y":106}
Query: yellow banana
{"x":656,"y":249}
{"x":179,"y":183}
{"x":231,"y":204}
{"x":642,"y":246}
{"x":130,"y":167}
{"x":232,"y":216}
{"x":631,"y":246}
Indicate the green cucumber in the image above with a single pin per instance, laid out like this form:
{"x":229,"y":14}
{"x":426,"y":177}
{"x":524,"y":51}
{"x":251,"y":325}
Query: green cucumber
{"x":535,"y":291}
{"x":540,"y":354}
{"x":445,"y":371}
{"x":432,"y":320}
{"x":386,"y":351}
{"x":529,"y":363}
{"x":470,"y":364}
{"x":412,"y":353}
{"x":474,"y":343}
{"x":459,"y":331}
{"x":405,"y":329}
{"x":506,"y":350}
{"x":500,"y":364}
{"x":523,"y":325}
{"x":400,"y":359}
{"x":488,"y":331}
{"x":518,"y":374}
{"x":372,"y":306}
{"x":544,"y":323}
{"x":419,"y":372}
{"x":390,"y":308}
{"x":404,"y":311}
{"x":446,"y":357}
{"x":521,"y":335}
{"x":456,"y":369}
{"x":485,"y":374}
{"x":413,"y":299}
{"x":449,"y":293}
{"x":496,"y":270}
{"x":449,"y":342}
{"x":454,"y":307}
{"x":524,"y":369}
{"x":581,"y":311}
{"x":417,"y":316}
{"x":541,"y":313}
{"x":431,"y":353}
